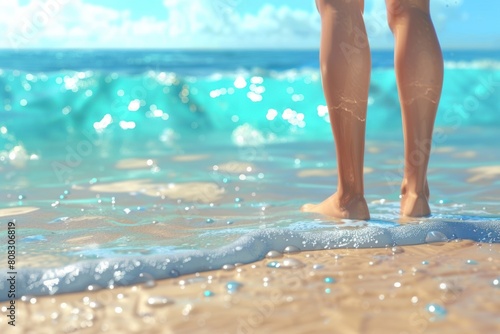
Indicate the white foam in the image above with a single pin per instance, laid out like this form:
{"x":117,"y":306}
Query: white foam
{"x":474,"y":64}
{"x":249,"y":248}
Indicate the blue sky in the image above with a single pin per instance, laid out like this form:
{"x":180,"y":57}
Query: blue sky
{"x":219,"y":24}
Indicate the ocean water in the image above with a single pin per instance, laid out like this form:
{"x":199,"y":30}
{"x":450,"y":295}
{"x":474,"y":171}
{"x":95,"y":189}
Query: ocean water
{"x":120,"y":167}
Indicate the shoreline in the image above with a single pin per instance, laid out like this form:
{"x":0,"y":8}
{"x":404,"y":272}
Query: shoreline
{"x":411,"y":289}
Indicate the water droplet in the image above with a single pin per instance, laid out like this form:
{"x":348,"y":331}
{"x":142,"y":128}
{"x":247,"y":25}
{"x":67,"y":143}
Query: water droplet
{"x":435,"y":236}
{"x":233,"y":286}
{"x":54,"y":315}
{"x":228,"y":267}
{"x":318,"y":266}
{"x":273,"y":264}
{"x":95,"y":305}
{"x":292,"y":263}
{"x":147,"y":280}
{"x":329,"y":280}
{"x":210,"y":221}
{"x":174,"y":273}
{"x":238,"y":200}
{"x":289,"y":263}
{"x":229,"y":222}
{"x":425,"y":262}
{"x":193,"y":280}
{"x":496,"y":282}
{"x":473,"y":262}
{"x":208,"y":293}
{"x":21,"y":197}
{"x":328,"y":290}
{"x":291,"y":250}
{"x":273,"y":254}
{"x":26,"y":299}
{"x":397,"y":250}
{"x":158,"y":301}
{"x":438,"y":312}
{"x":145,"y":315}
{"x":94,"y":287}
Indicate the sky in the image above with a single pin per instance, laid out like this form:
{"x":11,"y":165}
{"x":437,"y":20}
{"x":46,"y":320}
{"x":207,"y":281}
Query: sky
{"x":220,"y":24}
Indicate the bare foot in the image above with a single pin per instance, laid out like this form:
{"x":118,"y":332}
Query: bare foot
{"x":415,"y":205}
{"x":353,"y":208}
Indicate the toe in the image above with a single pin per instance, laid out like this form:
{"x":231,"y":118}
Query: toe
{"x":307,"y":207}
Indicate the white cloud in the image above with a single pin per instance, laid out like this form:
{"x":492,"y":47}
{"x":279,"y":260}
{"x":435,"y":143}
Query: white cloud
{"x":194,"y":24}
{"x":211,"y":23}
{"x":73,"y":23}
{"x":185,"y":23}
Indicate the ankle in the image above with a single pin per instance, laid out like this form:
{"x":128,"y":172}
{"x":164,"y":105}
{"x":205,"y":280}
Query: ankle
{"x":346,"y":198}
{"x":412,"y":189}
{"x":414,"y":194}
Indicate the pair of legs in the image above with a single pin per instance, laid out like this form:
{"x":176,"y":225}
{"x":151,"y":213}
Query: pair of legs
{"x":345,"y":69}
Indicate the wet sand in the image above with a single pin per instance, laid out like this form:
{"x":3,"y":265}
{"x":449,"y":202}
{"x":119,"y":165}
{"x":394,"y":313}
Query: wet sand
{"x":436,"y":288}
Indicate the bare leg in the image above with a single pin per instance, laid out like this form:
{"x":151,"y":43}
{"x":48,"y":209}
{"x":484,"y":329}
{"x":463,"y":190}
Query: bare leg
{"x":345,"y":68}
{"x":419,"y":74}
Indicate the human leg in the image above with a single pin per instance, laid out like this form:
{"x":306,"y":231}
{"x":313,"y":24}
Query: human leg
{"x":419,"y":73}
{"x":345,"y":69}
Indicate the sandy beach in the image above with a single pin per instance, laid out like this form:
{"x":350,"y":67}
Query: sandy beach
{"x":437,"y":288}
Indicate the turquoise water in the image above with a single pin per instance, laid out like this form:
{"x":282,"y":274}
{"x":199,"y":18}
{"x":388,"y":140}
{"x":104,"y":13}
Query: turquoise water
{"x":126,"y":166}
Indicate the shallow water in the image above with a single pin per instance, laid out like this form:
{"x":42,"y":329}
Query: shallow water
{"x":105,"y":184}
